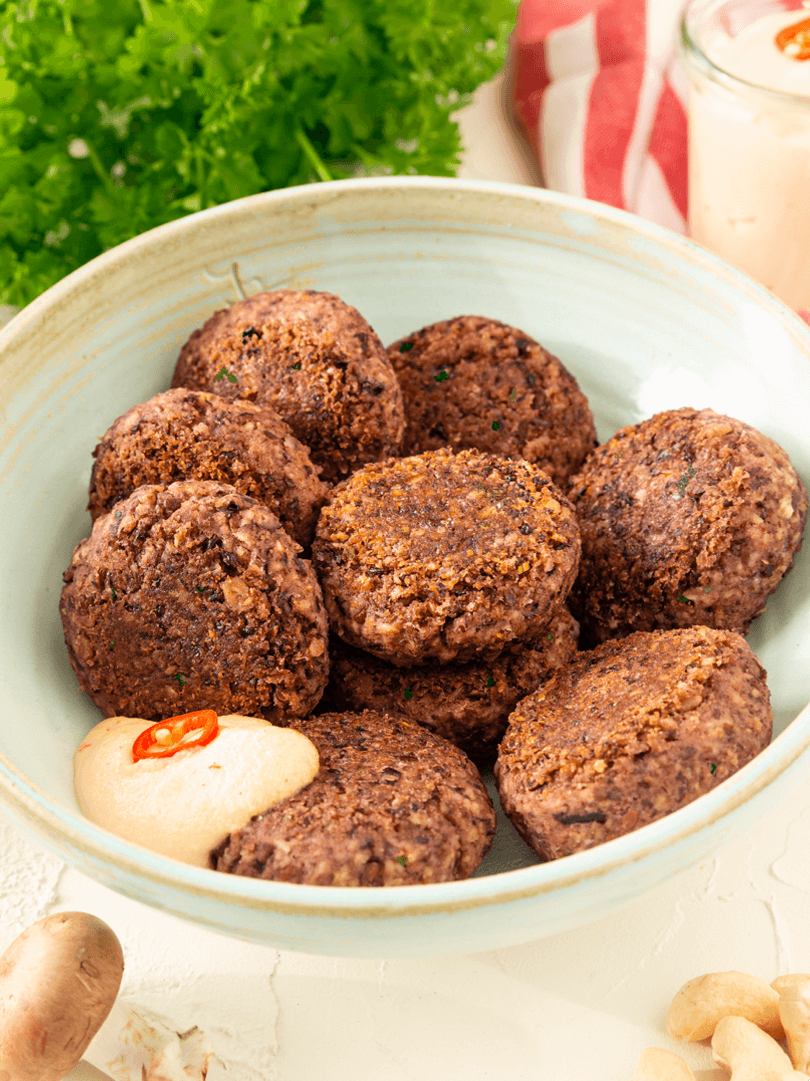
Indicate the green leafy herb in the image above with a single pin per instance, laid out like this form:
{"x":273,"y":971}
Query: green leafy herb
{"x":116,"y":117}
{"x":495,"y":425}
{"x":223,"y":373}
{"x":112,"y":645}
{"x":406,"y":347}
{"x":491,"y":680}
{"x":114,"y":594}
{"x":712,"y":767}
{"x":201,"y":589}
{"x":550,"y":637}
{"x":297,"y":367}
{"x":181,"y":679}
{"x":685,"y":600}
{"x":440,"y":378}
{"x":409,"y":695}
{"x":683,"y":480}
{"x":403,"y":860}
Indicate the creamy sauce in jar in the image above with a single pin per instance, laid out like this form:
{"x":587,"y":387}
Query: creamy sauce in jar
{"x":749,"y":156}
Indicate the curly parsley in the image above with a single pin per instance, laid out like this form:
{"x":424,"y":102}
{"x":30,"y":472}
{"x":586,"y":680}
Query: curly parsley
{"x":116,"y":117}
{"x":683,"y":480}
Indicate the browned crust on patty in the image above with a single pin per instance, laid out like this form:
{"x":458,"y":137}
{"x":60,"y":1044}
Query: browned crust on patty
{"x":192,"y":596}
{"x":391,"y":805}
{"x":468,"y":704}
{"x":443,"y":557}
{"x":192,"y":435}
{"x":312,"y":358}
{"x":628,"y":733}
{"x":687,"y":518}
{"x":476,"y":382}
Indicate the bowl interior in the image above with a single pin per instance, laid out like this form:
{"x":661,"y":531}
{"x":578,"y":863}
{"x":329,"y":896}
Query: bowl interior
{"x":644,"y":320}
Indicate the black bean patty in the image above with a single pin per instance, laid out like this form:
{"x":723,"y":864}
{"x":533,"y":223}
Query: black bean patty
{"x":191,"y":435}
{"x":391,"y":805}
{"x":630,"y":732}
{"x":475,"y":382}
{"x":192,"y":596}
{"x":687,"y":518}
{"x":469,"y":704}
{"x":443,"y":557}
{"x":314,"y":359}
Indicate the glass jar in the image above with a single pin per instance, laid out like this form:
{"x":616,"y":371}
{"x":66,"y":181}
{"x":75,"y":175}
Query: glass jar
{"x":749,"y":138}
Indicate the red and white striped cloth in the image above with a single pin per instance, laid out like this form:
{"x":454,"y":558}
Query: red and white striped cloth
{"x":603,"y":100}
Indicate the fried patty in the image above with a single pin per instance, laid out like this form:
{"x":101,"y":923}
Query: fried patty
{"x":475,"y":382}
{"x":192,"y":435}
{"x":628,"y":733}
{"x":392,"y":805}
{"x":468,"y":704}
{"x":442,"y":557}
{"x":687,"y":518}
{"x":312,"y":358}
{"x":192,"y":596}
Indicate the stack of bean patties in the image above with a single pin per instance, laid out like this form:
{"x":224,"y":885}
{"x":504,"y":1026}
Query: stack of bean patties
{"x":191,"y":592}
{"x":470,"y":383}
{"x":689,"y":521}
{"x":448,"y":488}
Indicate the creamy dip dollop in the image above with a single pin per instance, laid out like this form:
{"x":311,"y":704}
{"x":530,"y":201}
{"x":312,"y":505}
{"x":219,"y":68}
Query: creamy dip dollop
{"x":187,"y":804}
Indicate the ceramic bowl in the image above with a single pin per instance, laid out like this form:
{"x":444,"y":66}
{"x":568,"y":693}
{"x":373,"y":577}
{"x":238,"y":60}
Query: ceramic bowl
{"x":644,"y":319}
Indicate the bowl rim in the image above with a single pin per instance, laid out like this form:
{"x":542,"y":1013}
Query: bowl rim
{"x":33,"y":806}
{"x":67,"y":829}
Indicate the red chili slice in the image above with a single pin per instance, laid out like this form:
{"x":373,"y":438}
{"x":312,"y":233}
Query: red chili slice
{"x":175,"y":734}
{"x":794,"y":40}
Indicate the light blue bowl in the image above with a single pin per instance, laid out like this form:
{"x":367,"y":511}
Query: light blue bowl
{"x":644,"y":319}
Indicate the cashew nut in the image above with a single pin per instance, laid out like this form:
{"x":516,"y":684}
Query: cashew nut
{"x":656,"y":1064}
{"x":794,"y":1010}
{"x":702,"y":1002}
{"x":790,"y":980}
{"x":750,"y":1053}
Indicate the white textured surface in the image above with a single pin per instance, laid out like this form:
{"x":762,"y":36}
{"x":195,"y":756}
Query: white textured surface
{"x":581,"y":1004}
{"x":578,"y":1005}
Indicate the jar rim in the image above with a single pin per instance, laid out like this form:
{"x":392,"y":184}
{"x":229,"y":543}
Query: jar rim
{"x":695,"y":58}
